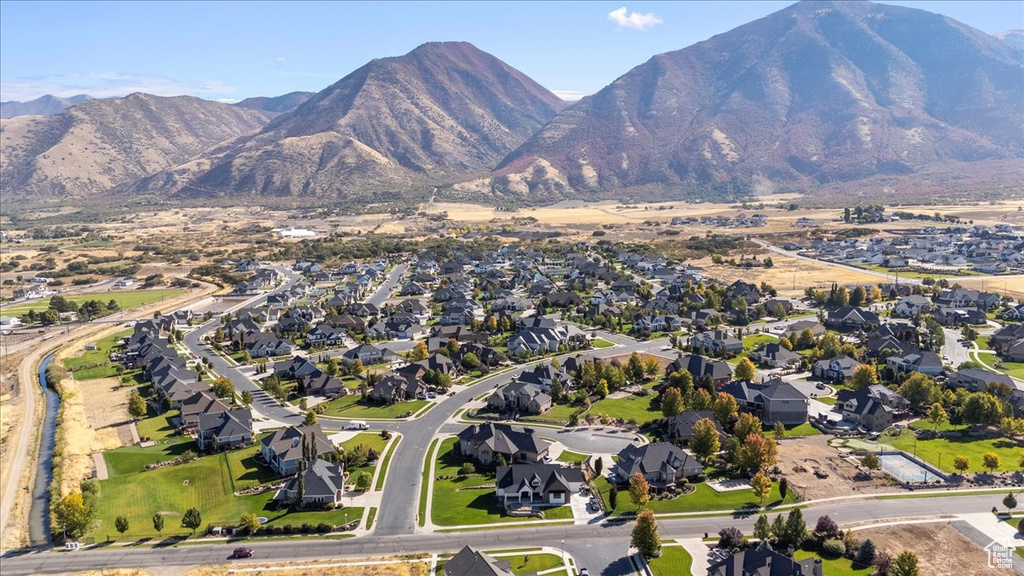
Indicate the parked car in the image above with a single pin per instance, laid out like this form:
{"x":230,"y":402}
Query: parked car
{"x":242,"y":553}
{"x":431,"y":395}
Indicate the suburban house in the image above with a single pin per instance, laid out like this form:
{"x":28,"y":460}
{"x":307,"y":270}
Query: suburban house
{"x":265,"y":344}
{"x":679,"y":428}
{"x":326,"y":335}
{"x":864,"y":410}
{"x":835,"y":370}
{"x":224,"y":430}
{"x":537,"y":485}
{"x":396,"y":388}
{"x":471,"y":562}
{"x":774,"y":355}
{"x":661,"y":464}
{"x":283,"y":449}
{"x":794,"y":329}
{"x":543,"y":338}
{"x":717,"y":341}
{"x":485,"y":442}
{"x":369,"y":354}
{"x":523,"y":397}
{"x":198,"y":404}
{"x":699,"y":366}
{"x":322,"y":483}
{"x":1006,"y":336}
{"x":763,"y":561}
{"x":773,"y":401}
{"x":911,"y":306}
{"x":925,"y":362}
{"x":320,"y":384}
{"x":978,"y":379}
{"x":851,"y":318}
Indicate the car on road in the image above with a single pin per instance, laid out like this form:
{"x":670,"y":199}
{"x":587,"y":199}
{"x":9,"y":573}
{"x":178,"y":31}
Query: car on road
{"x":242,"y":553}
{"x":357,"y":425}
{"x":584,"y":572}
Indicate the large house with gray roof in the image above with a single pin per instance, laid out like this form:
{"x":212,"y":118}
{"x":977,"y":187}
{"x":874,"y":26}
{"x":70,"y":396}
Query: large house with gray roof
{"x":485,"y":442}
{"x":772,"y":401}
{"x":661,"y":464}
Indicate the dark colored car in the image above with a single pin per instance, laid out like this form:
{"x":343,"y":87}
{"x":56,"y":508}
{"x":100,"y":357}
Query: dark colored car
{"x":241,"y":553}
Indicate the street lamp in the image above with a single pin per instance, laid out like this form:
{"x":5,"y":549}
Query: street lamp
{"x":562,"y":551}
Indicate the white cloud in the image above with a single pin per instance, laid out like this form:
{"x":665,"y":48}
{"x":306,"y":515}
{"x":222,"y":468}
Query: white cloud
{"x":569,"y":95}
{"x":635,"y":20}
{"x":280,"y":60}
{"x":109,"y":84}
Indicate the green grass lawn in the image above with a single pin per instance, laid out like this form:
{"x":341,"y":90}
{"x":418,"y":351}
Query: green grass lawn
{"x":601,"y":343}
{"x":982,"y":342}
{"x":558,"y":414}
{"x":206,"y":484}
{"x":126,"y":299}
{"x":245,"y":472}
{"x":353,"y":406}
{"x":799,"y":431}
{"x":385,"y":463}
{"x":370,"y":439}
{"x":530,"y":563}
{"x":159,"y":428}
{"x":838,"y":567}
{"x":950,"y":447}
{"x":1014,"y":369}
{"x":424,"y":484}
{"x":702,"y":500}
{"x":371,"y":517}
{"x":570,"y":457}
{"x":94,"y":363}
{"x":753,"y":341}
{"x":459,"y":502}
{"x":830,"y":400}
{"x":674,"y":560}
{"x":639,"y":408}
{"x":130,"y":460}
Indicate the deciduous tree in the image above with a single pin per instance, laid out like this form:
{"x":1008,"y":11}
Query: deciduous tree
{"x":705,"y":441}
{"x":645,"y":534}
{"x":671,"y":402}
{"x":745,"y":370}
{"x":639,"y":490}
{"x":761,"y":485}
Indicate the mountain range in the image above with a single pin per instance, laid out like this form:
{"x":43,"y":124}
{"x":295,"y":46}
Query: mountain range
{"x":814,"y":95}
{"x":94,"y":146}
{"x":43,"y":106}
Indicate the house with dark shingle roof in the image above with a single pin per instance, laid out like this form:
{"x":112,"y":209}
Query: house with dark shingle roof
{"x":925,"y":362}
{"x":661,"y":464}
{"x":763,"y":561}
{"x":200,"y":403}
{"x":225,"y":429}
{"x":484,"y":442}
{"x":772,"y":401}
{"x":835,"y":370}
{"x":471,"y":562}
{"x":537,"y":485}
{"x":851,"y":318}
{"x":282,"y":450}
{"x":679,"y":428}
{"x":774,"y":355}
{"x":323,"y":482}
{"x":698,"y":366}
{"x":978,"y":379}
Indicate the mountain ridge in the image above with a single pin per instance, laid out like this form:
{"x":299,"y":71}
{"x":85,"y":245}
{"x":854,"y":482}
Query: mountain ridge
{"x":44,"y":105}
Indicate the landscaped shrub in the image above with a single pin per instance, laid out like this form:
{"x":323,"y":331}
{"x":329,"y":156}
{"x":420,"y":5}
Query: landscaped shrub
{"x":729,"y":538}
{"x":278,"y":530}
{"x":833,"y":548}
{"x":324,"y":527}
{"x":306,"y":528}
{"x":287,"y":529}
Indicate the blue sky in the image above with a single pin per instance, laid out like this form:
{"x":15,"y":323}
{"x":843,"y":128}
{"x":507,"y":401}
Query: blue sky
{"x":233,"y":50}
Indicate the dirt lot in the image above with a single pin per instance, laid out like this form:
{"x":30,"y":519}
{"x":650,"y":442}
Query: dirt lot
{"x":940,"y":548}
{"x":788,"y":275}
{"x":1012,"y":286}
{"x":289,"y":569}
{"x":798,"y":457}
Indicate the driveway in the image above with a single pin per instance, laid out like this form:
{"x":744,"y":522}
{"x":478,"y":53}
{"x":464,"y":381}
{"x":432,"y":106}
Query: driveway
{"x":598,"y":440}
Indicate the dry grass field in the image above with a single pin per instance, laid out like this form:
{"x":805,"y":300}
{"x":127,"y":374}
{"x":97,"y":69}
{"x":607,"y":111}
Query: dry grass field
{"x":788,"y":275}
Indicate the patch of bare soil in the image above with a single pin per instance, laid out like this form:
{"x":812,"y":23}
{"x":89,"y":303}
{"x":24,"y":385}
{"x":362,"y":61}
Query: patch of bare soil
{"x":799,"y":458}
{"x":105,"y":403}
{"x":940,"y":548}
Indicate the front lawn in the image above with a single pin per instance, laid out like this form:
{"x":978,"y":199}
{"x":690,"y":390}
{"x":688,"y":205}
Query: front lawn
{"x":632,"y":407}
{"x":674,"y":560}
{"x":130,"y":460}
{"x":601,"y":343}
{"x":837,"y":567}
{"x":1014,"y":369}
{"x":570,"y":457}
{"x":245,"y":471}
{"x":532,"y":563}
{"x":94,"y":363}
{"x":558,"y":414}
{"x":467,"y":501}
{"x":353,"y":406}
{"x":703,"y":499}
{"x":947,"y":447}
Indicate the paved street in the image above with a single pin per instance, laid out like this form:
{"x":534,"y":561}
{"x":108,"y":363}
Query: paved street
{"x":601,"y":548}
